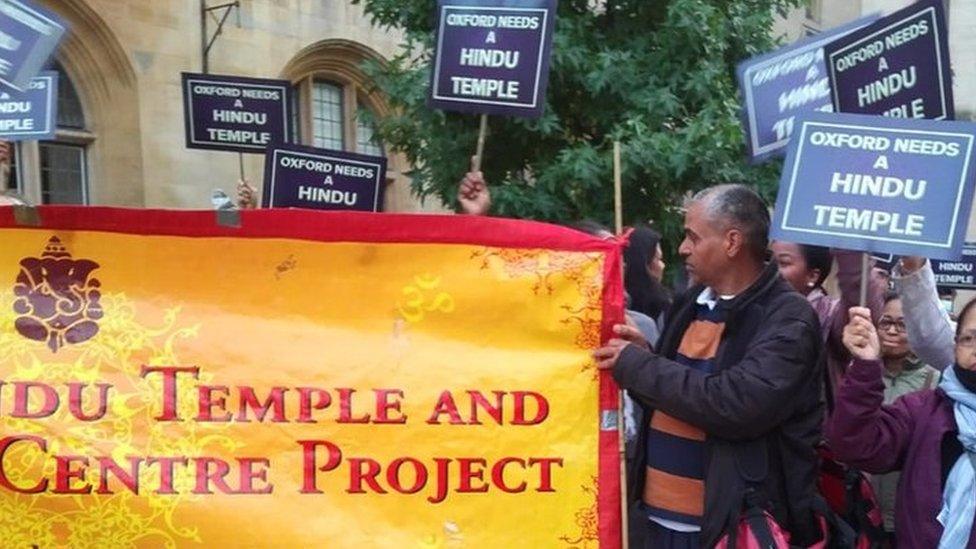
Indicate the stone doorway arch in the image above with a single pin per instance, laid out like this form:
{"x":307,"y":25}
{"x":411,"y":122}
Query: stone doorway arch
{"x":99,"y":67}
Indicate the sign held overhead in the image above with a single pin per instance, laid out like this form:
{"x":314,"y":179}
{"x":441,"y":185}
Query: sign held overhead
{"x":775,"y":87}
{"x":31,"y":114}
{"x":234,"y":113}
{"x":879,"y":185}
{"x":898,"y":66}
{"x":492,"y":56}
{"x":28,"y":36}
{"x":319,"y":179}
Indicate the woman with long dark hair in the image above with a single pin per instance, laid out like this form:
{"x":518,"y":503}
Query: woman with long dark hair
{"x":643,"y":272}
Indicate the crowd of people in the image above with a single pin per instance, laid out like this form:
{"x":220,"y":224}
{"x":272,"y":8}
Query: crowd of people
{"x":739,"y":390}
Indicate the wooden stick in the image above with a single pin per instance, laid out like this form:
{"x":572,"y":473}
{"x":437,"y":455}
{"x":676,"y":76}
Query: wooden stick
{"x":865,"y":277}
{"x":621,"y":432}
{"x":618,"y":207}
{"x":240,"y":164}
{"x":480,"y":150}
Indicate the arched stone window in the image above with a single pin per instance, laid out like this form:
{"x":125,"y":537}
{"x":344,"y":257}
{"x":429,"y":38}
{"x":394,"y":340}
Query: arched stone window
{"x":64,"y":161}
{"x":336,"y":102}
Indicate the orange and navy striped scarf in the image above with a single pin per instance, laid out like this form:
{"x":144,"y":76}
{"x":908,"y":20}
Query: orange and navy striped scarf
{"x":674,"y":488}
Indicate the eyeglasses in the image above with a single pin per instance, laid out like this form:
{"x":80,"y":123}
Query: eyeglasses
{"x":966,"y":340}
{"x":887,"y":323}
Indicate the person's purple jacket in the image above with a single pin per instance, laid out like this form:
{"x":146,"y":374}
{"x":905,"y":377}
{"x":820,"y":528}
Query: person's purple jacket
{"x":906,"y":436}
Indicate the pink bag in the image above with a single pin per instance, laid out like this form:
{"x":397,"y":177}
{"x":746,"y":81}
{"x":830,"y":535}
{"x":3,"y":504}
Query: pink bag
{"x":757,"y":530}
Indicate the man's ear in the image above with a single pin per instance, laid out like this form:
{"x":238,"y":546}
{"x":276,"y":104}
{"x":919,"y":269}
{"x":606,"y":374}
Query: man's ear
{"x":734,"y":242}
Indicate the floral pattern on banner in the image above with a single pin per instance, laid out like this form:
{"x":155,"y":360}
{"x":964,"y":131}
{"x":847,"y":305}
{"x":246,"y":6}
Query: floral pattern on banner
{"x":589,"y":313}
{"x":117,"y":352}
{"x":583,"y":269}
{"x":540,"y":264}
{"x":588,"y":523}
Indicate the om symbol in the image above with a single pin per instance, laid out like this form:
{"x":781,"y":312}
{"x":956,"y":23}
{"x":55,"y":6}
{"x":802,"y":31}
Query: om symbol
{"x":56,"y":301}
{"x":422,"y":297}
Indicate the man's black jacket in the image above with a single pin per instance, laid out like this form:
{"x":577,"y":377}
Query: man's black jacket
{"x":761,"y":410}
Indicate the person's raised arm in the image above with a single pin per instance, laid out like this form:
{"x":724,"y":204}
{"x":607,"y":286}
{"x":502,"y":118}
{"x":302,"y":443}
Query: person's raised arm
{"x":931,"y":334}
{"x":861,"y":431}
{"x":473,"y":194}
{"x":246,"y":195}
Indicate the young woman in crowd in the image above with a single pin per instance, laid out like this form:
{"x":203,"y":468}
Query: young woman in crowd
{"x":806,"y":268}
{"x":930,"y":435}
{"x":903,"y":374}
{"x":644,"y":272}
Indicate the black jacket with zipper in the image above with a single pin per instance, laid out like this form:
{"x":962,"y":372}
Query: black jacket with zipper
{"x":761,"y":409}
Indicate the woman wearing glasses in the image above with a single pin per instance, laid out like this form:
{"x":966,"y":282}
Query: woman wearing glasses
{"x":930,"y":435}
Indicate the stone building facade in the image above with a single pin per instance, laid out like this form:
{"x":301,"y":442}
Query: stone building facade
{"x":120,"y":140}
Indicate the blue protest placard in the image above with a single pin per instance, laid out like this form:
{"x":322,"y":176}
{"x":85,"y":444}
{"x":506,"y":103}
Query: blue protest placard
{"x":28,"y":36}
{"x":775,"y":87}
{"x":235,"y":113}
{"x":492,"y":56}
{"x":30,"y":114}
{"x":898,"y":66}
{"x":949,"y":275}
{"x":879,"y":185}
{"x":320,"y":179}
{"x":956,"y":275}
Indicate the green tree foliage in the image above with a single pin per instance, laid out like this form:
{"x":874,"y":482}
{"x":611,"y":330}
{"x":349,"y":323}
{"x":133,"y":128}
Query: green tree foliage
{"x":658,"y":75}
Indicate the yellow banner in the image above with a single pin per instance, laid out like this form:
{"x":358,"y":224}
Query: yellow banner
{"x":341,"y":380}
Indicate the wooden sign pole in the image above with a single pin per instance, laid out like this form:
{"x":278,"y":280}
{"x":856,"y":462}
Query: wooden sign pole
{"x":619,"y":226}
{"x":480,"y":150}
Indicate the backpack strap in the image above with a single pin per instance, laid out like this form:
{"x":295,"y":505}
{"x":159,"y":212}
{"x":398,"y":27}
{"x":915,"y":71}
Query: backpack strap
{"x":752,"y":469}
{"x":858,"y":508}
{"x":929,"y":376}
{"x":756,"y":519}
{"x":750,"y":509}
{"x":844,"y":535}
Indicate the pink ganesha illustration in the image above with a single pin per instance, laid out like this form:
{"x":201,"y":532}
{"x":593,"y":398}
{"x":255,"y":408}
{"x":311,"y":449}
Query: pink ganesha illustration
{"x":55,"y":300}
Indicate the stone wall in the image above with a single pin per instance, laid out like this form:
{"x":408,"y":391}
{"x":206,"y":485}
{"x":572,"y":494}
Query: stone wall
{"x":125,"y":58}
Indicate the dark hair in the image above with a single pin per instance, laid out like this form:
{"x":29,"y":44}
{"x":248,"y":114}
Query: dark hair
{"x":743,"y":209}
{"x":590,"y":227}
{"x":647,"y":294}
{"x":962,"y":315}
{"x":817,"y":257}
{"x":891,"y":296}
